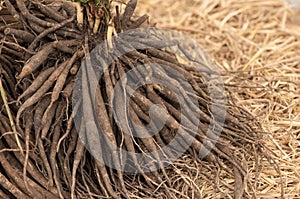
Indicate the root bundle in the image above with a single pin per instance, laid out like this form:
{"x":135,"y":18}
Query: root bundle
{"x":59,"y":87}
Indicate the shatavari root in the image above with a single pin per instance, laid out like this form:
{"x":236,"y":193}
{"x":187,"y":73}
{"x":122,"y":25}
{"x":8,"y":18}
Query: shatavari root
{"x":50,"y":152}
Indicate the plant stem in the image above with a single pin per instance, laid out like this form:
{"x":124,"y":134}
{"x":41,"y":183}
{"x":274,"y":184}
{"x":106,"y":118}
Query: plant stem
{"x":80,"y":16}
{"x":11,"y":119}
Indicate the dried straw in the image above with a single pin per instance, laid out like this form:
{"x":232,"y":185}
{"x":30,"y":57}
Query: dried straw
{"x":256,"y":45}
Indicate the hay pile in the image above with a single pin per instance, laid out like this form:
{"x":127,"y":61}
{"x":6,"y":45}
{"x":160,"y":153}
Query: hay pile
{"x":49,"y":132}
{"x":257,"y":46}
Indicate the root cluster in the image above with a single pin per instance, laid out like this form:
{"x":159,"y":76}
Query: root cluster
{"x":51,"y":146}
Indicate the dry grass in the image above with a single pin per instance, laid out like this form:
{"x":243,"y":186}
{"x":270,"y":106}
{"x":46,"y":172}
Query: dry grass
{"x":257,"y":45}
